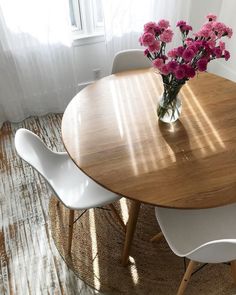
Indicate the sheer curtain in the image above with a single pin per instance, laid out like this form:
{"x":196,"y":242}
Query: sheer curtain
{"x":124,"y":20}
{"x":36,"y":59}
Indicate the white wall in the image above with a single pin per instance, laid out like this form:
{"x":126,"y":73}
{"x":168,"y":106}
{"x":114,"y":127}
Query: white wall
{"x":89,"y":56}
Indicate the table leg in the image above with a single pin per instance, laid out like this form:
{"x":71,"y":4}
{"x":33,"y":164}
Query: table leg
{"x":133,"y":216}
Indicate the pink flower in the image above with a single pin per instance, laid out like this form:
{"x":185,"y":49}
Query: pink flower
{"x":146,"y":52}
{"x":180,"y":50}
{"x":148,"y":27}
{"x":204,"y":33}
{"x":186,"y":28}
{"x":211,"y":44}
{"x":180,"y":23}
{"x":164,"y":70}
{"x":188,"y":54}
{"x":193,"y":48}
{"x":208,"y":25}
{"x":172,"y":65}
{"x":226,"y":54}
{"x":166,"y":36}
{"x":202,"y":64}
{"x":163,"y":24}
{"x":172,"y":53}
{"x":229,"y":32}
{"x":180,"y":72}
{"x":157,"y":63}
{"x":211,"y":17}
{"x":155,"y":46}
{"x":147,"y":39}
{"x":222,"y":45}
{"x":152,"y":28}
{"x":217,"y":51}
{"x":219,"y":28}
{"x":190,"y":72}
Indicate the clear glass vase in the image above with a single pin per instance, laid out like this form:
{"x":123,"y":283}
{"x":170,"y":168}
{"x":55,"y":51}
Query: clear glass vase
{"x":170,"y":106}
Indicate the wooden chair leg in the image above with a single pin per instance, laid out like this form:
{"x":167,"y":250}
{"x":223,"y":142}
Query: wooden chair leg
{"x":233,"y":270}
{"x":117,"y":215}
{"x":157,"y":237}
{"x":71,"y":224}
{"x":186,"y":277}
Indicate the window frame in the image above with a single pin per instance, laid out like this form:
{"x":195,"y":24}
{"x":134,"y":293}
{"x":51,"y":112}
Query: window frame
{"x":83,"y":13}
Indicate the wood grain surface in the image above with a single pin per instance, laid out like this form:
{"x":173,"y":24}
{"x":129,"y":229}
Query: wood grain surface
{"x":111,"y":131}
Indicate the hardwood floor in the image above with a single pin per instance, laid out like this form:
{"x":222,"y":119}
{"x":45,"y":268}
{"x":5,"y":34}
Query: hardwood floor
{"x":29,"y":261}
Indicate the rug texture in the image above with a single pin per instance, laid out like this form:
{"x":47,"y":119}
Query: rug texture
{"x":153,"y":268}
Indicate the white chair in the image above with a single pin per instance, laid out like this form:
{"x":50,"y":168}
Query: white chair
{"x":69,"y":184}
{"x":131,"y":59}
{"x":204,"y":235}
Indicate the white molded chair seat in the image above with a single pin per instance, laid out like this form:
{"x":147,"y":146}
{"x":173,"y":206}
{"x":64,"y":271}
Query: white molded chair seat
{"x":203,"y":235}
{"x":131,"y":59}
{"x":70,"y":185}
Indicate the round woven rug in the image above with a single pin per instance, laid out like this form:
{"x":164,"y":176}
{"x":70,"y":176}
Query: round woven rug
{"x":153,"y":269}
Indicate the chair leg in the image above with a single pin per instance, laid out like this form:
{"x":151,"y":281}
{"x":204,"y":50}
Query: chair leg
{"x":117,"y":215}
{"x":186,"y":277}
{"x":233,"y":270}
{"x":71,"y":224}
{"x":157,"y":237}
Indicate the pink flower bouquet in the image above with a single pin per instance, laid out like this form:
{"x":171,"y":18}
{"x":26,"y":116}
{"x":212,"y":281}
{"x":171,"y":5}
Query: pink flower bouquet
{"x":183,"y":62}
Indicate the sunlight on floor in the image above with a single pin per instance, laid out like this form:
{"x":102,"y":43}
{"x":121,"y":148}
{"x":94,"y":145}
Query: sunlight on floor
{"x":134,"y":271}
{"x":94,"y":249}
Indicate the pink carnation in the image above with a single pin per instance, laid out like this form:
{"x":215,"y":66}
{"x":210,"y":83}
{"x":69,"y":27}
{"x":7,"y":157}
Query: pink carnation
{"x":180,"y":50}
{"x":226,"y":54}
{"x":180,"y":23}
{"x":164,"y":70}
{"x":217,"y":51}
{"x":229,"y":32}
{"x":148,"y":27}
{"x":147,"y":39}
{"x":155,"y":46}
{"x":146,"y":52}
{"x":188,"y":54}
{"x":185,"y":28}
{"x":166,"y":36}
{"x":211,"y":17}
{"x":222,"y":45}
{"x":202,"y":64}
{"x":219,"y":28}
{"x":172,"y":65}
{"x":163,"y":24}
{"x":204,"y":33}
{"x":190,"y":72}
{"x":172,"y":53}
{"x":152,"y":28}
{"x":157,"y":63}
{"x":180,"y":72}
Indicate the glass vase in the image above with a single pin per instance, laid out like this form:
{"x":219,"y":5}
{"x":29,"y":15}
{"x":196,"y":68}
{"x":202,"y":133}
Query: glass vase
{"x":170,"y":106}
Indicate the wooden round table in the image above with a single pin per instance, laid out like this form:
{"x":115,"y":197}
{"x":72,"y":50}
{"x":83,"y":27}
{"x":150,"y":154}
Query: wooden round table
{"x":111,"y":131}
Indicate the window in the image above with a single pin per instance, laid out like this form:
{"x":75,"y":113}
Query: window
{"x":86,"y":16}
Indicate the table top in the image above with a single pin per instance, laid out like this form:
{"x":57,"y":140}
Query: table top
{"x":111,"y":131}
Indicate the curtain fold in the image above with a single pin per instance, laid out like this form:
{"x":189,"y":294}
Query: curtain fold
{"x":36,"y":58}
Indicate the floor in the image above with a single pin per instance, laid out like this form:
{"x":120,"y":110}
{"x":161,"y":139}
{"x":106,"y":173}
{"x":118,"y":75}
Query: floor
{"x":29,"y":261}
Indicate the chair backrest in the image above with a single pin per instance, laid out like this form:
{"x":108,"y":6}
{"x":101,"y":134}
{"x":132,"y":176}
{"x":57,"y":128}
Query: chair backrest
{"x":204,"y":235}
{"x":131,"y":59}
{"x":31,"y":149}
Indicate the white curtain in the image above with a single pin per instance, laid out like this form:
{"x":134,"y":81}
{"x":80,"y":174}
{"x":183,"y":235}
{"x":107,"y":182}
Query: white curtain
{"x":36,"y":58}
{"x":124,"y":20}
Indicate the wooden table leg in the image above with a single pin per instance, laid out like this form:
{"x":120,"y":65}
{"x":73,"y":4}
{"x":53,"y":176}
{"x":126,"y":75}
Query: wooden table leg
{"x":133,"y":216}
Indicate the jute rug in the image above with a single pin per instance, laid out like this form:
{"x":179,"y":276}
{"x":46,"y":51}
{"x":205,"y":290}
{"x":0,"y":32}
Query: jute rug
{"x":153,"y":269}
